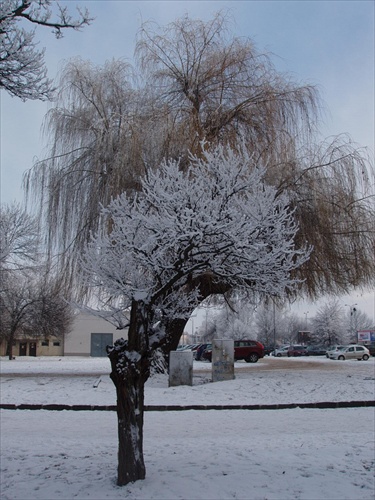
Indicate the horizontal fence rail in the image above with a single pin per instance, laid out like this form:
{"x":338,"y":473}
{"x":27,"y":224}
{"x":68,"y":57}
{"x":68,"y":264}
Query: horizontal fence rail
{"x":286,"y":406}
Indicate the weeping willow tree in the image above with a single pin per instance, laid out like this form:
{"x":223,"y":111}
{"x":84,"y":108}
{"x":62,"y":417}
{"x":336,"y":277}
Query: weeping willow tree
{"x":334,"y":200}
{"x":194,"y":81}
{"x":216,"y":86}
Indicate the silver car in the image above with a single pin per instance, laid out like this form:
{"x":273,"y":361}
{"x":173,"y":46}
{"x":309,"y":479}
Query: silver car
{"x":352,"y":352}
{"x":331,"y":350}
{"x":281,"y":351}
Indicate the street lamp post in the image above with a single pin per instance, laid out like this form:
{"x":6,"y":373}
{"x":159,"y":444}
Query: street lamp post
{"x":274,"y":325}
{"x":353,"y":310}
{"x":306,"y":313}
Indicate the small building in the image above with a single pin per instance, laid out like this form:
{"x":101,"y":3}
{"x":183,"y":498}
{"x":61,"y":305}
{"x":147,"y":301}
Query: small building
{"x":32,"y":346}
{"x":90,"y":335}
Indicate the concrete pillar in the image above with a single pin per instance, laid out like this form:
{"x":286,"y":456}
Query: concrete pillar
{"x":180,"y":368}
{"x":222,"y":360}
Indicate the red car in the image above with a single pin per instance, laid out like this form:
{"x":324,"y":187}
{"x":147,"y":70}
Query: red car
{"x":249,"y":350}
{"x":297,"y":350}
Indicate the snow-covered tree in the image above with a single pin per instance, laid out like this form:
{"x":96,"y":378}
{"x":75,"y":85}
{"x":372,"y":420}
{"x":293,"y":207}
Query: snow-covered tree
{"x":274,"y":325}
{"x":22,"y":68}
{"x":294,"y":324}
{"x":357,"y":320}
{"x":267,"y":323}
{"x":329,"y":324}
{"x":208,"y":328}
{"x":217,"y":222}
{"x":234,"y":319}
{"x":215,"y":324}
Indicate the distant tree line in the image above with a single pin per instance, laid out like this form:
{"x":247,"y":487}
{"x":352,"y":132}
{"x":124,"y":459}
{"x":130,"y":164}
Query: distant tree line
{"x":332,"y":324}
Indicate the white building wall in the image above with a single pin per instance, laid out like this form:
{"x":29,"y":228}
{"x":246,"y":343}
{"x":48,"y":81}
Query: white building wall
{"x":78,"y":341}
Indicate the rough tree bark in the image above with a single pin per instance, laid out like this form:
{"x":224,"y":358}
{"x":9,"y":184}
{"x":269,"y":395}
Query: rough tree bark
{"x":130,"y":371}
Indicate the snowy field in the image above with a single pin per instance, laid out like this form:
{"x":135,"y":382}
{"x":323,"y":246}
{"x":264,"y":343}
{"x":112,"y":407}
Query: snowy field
{"x":310,"y":454}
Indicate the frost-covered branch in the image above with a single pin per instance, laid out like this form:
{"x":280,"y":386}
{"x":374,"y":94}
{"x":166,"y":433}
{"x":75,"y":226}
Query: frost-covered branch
{"x":217,"y":217}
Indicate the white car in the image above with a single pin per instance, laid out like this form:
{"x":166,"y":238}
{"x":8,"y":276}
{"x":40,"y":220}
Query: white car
{"x":331,"y":350}
{"x":352,"y":352}
{"x":282,"y":351}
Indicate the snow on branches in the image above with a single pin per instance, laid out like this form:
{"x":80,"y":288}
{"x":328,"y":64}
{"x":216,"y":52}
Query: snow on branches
{"x":218,"y":217}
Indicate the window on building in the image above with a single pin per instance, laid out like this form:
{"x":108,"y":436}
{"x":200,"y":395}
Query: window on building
{"x":45,"y":343}
{"x":57,"y":343}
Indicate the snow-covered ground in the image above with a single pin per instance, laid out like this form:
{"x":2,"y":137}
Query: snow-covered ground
{"x":217,"y":454}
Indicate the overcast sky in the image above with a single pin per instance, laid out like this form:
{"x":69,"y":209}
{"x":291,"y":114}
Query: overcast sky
{"x":326,"y":43}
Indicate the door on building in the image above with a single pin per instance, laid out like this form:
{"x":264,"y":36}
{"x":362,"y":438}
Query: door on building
{"x":99,"y":342}
{"x":23,"y":348}
{"x":32,"y":349}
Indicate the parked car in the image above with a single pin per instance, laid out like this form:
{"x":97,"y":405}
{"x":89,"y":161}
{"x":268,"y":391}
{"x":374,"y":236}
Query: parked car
{"x":182,"y":347}
{"x":296,"y":350}
{"x":371,"y":348}
{"x":206,"y":354}
{"x":334,"y":348}
{"x":352,"y":352}
{"x":268,"y":350}
{"x":316,"y":350}
{"x":194,"y":348}
{"x":249,"y":350}
{"x":188,"y":347}
{"x":199,"y":351}
{"x":281,"y":351}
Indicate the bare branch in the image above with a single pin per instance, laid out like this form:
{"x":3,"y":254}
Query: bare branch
{"x":22,"y":68}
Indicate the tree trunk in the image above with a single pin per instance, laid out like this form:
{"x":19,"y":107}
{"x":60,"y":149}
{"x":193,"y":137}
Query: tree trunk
{"x":130,"y":363}
{"x":10,"y":345}
{"x":130,"y":407}
{"x":175,"y":328}
{"x":130,"y":370}
{"x":8,"y":351}
{"x":174,"y":331}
